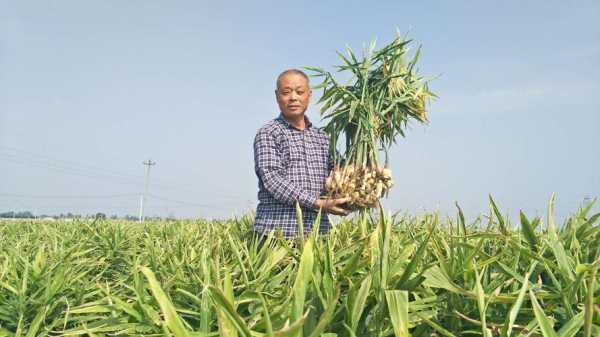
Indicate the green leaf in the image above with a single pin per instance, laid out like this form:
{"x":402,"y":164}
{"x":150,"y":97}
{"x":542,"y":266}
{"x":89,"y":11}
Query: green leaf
{"x":589,"y":302}
{"x":529,"y":232}
{"x":543,"y":321}
{"x":293,"y":329}
{"x":572,"y":327}
{"x":302,"y":281}
{"x":357,"y":304}
{"x":499,"y":216}
{"x":5,"y":333}
{"x":397,"y":301}
{"x":384,"y":248}
{"x":223,"y":304}
{"x":515,"y":309}
{"x":436,"y":278}
{"x":227,"y":327}
{"x":171,"y":317}
{"x":268,"y":323}
{"x":37,"y":321}
{"x":435,"y":326}
{"x":481,"y":304}
{"x":461,"y":219}
{"x":327,"y":316}
{"x":415,"y":260}
{"x":300,"y":223}
{"x":556,"y":245}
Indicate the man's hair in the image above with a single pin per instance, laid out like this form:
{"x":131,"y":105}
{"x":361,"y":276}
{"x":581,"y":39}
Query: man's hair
{"x":290,"y":71}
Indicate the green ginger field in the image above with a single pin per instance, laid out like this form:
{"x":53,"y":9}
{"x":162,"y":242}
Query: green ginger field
{"x":375,"y":275}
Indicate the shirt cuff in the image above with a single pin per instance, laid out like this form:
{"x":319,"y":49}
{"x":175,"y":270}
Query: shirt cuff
{"x":307,"y":200}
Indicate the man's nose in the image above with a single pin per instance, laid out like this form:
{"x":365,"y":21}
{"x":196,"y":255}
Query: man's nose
{"x":293,"y":96}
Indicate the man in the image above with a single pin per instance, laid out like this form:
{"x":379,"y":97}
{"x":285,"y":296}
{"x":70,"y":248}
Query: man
{"x":291,"y":160}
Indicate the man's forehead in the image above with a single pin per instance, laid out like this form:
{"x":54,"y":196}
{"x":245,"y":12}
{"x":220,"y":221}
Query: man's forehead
{"x":293,"y":85}
{"x":293,"y":79}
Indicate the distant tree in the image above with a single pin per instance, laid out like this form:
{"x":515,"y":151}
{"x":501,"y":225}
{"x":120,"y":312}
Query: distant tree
{"x":25,"y":215}
{"x":171,"y":217}
{"x":10,"y":214}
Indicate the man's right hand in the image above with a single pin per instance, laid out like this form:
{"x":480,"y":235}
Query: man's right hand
{"x":332,"y":206}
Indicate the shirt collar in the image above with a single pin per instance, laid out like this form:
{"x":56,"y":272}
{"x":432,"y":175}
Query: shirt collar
{"x":307,"y":122}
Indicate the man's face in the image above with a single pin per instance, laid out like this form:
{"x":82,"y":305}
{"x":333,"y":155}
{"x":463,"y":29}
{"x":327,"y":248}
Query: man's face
{"x":293,"y":95}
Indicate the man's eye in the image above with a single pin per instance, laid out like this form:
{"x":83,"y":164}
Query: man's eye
{"x":300,"y":92}
{"x":285,"y":92}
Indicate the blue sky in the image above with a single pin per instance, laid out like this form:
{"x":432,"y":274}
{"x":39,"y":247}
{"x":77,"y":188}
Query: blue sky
{"x":88,"y":90}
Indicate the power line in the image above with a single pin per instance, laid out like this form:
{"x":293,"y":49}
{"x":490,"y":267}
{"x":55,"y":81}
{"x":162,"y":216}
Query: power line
{"x":67,"y":196}
{"x":71,"y":163}
{"x":115,"y":196}
{"x":182,"y":202}
{"x":70,"y":167}
{"x":69,"y":171}
{"x":73,"y":168}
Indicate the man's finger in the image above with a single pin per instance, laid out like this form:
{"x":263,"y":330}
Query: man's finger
{"x":333,"y":210}
{"x":342,"y":200}
{"x":339,"y":211}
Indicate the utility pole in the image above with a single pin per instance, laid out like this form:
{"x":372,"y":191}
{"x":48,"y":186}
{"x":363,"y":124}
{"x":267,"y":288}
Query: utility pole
{"x":148,"y":163}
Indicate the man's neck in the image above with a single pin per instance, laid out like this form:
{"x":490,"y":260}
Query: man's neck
{"x":298,"y":123}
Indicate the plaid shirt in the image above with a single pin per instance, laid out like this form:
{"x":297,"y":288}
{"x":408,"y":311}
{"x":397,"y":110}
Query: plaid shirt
{"x":290,"y":164}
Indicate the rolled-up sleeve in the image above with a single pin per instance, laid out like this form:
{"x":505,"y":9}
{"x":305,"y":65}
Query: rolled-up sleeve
{"x":269,"y":168}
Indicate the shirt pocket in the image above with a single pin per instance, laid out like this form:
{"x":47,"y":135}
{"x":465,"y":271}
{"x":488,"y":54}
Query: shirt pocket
{"x":296,"y":154}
